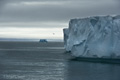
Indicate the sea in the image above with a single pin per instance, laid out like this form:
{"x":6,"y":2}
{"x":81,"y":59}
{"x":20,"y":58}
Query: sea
{"x":49,"y":61}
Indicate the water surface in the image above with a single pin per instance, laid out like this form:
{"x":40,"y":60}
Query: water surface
{"x":48,"y":61}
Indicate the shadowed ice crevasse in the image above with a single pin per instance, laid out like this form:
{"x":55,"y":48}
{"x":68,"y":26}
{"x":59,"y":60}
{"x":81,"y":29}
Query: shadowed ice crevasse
{"x":97,"y":36}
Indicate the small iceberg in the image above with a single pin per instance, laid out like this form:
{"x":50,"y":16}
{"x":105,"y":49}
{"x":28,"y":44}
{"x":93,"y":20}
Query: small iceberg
{"x":43,"y":40}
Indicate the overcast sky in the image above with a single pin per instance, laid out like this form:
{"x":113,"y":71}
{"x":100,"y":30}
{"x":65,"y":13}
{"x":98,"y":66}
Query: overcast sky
{"x":28,"y":18}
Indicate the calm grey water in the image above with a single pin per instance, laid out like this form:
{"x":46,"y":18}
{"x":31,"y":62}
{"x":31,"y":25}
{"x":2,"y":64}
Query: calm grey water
{"x":49,"y":63}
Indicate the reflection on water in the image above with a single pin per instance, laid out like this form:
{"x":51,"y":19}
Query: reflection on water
{"x":34,"y":71}
{"x":32,"y":49}
{"x":30,"y":63}
{"x":93,"y":71}
{"x":33,"y":63}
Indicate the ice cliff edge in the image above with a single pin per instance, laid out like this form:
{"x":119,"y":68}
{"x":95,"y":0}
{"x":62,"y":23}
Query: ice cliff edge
{"x":97,"y":36}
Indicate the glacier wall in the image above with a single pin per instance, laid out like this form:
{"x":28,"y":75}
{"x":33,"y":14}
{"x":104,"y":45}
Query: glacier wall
{"x":97,"y":36}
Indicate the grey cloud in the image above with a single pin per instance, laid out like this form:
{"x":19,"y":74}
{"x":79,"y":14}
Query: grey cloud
{"x":2,"y":3}
{"x":70,"y":9}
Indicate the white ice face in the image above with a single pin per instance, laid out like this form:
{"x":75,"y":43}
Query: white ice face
{"x":94,"y":37}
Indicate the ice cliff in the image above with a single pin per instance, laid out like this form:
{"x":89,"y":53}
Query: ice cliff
{"x":97,"y":36}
